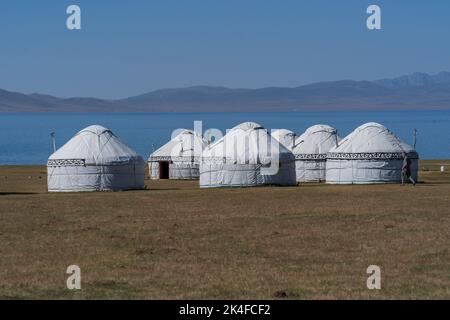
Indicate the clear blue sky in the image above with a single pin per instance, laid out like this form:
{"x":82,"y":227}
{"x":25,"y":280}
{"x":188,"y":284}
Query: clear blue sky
{"x":132,"y":47}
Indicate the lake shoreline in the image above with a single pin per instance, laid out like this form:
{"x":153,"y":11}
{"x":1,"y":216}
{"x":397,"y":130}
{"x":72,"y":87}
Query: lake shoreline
{"x":25,"y":138}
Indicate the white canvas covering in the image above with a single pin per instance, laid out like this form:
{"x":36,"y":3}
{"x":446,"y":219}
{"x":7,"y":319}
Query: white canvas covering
{"x":95,"y":160}
{"x":285,"y":137}
{"x":311,"y":150}
{"x":370,"y":154}
{"x":182,"y":153}
{"x":247,"y":156}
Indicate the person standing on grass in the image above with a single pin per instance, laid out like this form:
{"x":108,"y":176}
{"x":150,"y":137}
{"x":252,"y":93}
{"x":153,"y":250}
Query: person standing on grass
{"x":406,"y":170}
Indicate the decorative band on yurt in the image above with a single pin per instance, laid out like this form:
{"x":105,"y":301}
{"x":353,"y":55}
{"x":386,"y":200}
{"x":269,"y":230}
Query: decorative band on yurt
{"x":176,"y":159}
{"x":311,"y":156}
{"x":370,"y":155}
{"x":66,"y":163}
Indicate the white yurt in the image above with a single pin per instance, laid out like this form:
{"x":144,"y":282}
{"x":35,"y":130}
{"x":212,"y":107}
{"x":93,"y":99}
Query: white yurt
{"x":179,"y":158}
{"x":95,"y":160}
{"x":311,"y":150}
{"x":247,"y":156}
{"x":370,"y":154}
{"x":285,"y":137}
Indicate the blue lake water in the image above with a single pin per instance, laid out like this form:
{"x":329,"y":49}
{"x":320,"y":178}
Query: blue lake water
{"x":25,"y":138}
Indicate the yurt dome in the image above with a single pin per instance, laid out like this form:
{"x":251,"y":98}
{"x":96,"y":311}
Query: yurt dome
{"x":95,"y":160}
{"x":370,"y":154}
{"x":179,"y":158}
{"x":311,"y":150}
{"x":246,"y":156}
{"x":285,"y":137}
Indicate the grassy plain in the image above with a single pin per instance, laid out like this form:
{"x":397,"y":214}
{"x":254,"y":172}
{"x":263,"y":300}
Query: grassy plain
{"x":175,"y":240}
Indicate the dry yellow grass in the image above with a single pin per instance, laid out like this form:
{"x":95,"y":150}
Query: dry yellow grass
{"x":177,"y":241}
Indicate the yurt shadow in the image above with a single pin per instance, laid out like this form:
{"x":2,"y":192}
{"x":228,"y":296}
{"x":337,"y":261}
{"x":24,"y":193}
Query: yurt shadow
{"x":17,"y":193}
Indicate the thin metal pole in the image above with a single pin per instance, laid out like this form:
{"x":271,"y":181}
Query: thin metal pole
{"x":52,"y":134}
{"x":415,"y":138}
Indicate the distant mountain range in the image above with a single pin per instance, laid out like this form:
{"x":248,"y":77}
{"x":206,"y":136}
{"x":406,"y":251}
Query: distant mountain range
{"x":415,"y":91}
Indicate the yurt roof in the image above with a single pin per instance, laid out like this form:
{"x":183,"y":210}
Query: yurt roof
{"x":372,"y":140}
{"x":187,"y":143}
{"x":285,"y":137}
{"x":95,"y":129}
{"x":316,"y":140}
{"x":95,"y":145}
{"x":247,"y":143}
{"x":282,"y":132}
{"x":246,"y":126}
